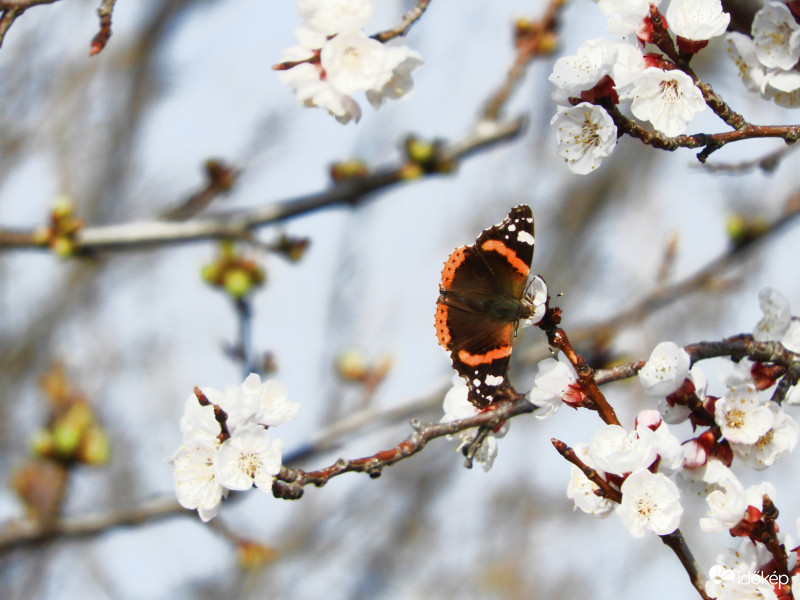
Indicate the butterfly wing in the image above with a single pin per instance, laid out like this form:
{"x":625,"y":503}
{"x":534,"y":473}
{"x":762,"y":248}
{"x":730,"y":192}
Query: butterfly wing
{"x":479,"y":283}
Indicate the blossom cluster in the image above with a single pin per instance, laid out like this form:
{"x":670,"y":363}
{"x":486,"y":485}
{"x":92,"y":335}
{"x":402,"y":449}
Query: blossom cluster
{"x":767,"y":59}
{"x":617,"y":72}
{"x":639,"y":464}
{"x":657,"y":476}
{"x":649,"y":478}
{"x":226,"y":445}
{"x":334,"y":59}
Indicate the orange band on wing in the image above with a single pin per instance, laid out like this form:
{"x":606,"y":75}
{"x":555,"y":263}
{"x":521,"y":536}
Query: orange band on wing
{"x":509,"y":254}
{"x":442,"y":332}
{"x":473,"y":360}
{"x":449,"y":269}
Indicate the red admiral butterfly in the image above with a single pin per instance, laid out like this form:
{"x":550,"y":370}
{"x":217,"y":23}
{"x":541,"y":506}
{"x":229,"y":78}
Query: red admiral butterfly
{"x":481,"y":300}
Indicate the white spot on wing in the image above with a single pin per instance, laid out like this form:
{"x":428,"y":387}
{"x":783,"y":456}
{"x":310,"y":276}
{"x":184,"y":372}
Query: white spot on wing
{"x":512,"y":227}
{"x":525,"y":238}
{"x":493,"y":380}
{"x":476,"y":383}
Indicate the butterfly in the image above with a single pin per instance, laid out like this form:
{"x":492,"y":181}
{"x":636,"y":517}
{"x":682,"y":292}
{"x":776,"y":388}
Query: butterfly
{"x":482,"y":297}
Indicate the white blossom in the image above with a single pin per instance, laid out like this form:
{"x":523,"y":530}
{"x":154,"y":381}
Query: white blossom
{"x":695,"y":454}
{"x":697,"y":19}
{"x":793,"y":396}
{"x":778,"y":85}
{"x":249,"y":457}
{"x":585,"y":135}
{"x":743,"y":53}
{"x":617,"y":451}
{"x":779,"y":439}
{"x":581,"y":490}
{"x":699,"y":482}
{"x":309,"y":41}
{"x":457,"y":406}
{"x":330,"y":69}
{"x":668,"y":99}
{"x":668,"y":447}
{"x":777,"y":323}
{"x":665,"y":370}
{"x":340,"y":105}
{"x":536,"y":300}
{"x":629,"y":63}
{"x":400,"y":83}
{"x":581,"y":71}
{"x":198,"y":424}
{"x":196,"y":484}
{"x":206,"y":468}
{"x":355,"y":62}
{"x":333,"y":16}
{"x":776,"y":36}
{"x":239,"y":407}
{"x":785,"y":85}
{"x":726,"y":502}
{"x":550,"y":384}
{"x":306,"y":81}
{"x":734,"y":374}
{"x":592,"y":61}
{"x":741,"y":416}
{"x":312,"y":91}
{"x":625,"y":16}
{"x":791,"y":337}
{"x":650,"y":502}
{"x":777,"y":315}
{"x":271,"y":403}
{"x":712,"y":475}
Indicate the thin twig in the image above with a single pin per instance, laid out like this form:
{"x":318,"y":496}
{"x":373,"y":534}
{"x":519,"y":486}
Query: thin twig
{"x":770,"y":537}
{"x":678,"y":545}
{"x":220,"y":178}
{"x":12,"y":10}
{"x":104,"y":34}
{"x":405,"y":24}
{"x":558,"y":339}
{"x":606,"y":491}
{"x":768,"y":163}
{"x":244,"y":314}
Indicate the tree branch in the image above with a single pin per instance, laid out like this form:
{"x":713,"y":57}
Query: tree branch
{"x":709,"y":142}
{"x":291,"y":481}
{"x":235,"y":224}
